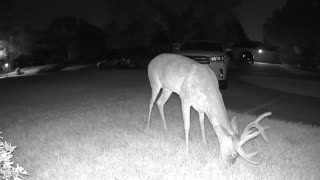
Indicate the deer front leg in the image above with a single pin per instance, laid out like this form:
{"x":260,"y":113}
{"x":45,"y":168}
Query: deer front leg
{"x":203,"y":134}
{"x":161,"y":101}
{"x":186,"y":120}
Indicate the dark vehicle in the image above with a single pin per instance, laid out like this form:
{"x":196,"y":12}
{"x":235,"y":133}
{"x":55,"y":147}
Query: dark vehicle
{"x":117,"y":61}
{"x":247,"y":57}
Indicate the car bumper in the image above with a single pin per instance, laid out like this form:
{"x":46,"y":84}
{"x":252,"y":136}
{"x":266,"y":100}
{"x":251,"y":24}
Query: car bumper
{"x":220,"y":69}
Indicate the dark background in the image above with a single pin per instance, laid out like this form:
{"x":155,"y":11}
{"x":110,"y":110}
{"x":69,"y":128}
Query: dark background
{"x":84,"y":31}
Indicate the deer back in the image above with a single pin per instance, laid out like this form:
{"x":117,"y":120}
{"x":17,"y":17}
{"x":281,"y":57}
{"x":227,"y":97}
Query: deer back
{"x":170,"y":70}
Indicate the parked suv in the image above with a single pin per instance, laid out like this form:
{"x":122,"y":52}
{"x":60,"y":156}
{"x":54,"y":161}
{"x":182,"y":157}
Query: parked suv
{"x":211,"y":53}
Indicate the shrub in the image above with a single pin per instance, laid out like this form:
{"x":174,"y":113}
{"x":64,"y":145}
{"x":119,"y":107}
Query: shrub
{"x":7,"y":170}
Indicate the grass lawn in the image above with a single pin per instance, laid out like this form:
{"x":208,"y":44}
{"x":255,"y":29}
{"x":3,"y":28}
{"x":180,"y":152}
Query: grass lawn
{"x":90,"y":125}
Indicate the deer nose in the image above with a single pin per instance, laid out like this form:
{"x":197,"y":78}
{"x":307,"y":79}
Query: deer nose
{"x":228,"y":161}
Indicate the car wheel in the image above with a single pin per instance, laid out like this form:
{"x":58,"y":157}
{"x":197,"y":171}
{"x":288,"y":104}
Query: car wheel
{"x":247,"y":57}
{"x":223,"y":84}
{"x":99,"y":66}
{"x":251,"y":61}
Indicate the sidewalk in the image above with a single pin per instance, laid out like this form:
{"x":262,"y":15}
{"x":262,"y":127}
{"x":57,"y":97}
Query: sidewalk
{"x":297,"y":71}
{"x":29,"y":71}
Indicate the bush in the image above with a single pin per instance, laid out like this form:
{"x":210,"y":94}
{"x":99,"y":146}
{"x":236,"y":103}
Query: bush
{"x":7,"y":171}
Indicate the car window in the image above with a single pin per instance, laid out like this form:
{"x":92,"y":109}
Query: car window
{"x":204,"y":46}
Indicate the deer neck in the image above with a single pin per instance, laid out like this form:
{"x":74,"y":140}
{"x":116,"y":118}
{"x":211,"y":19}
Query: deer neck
{"x":221,"y":134}
{"x":221,"y":123}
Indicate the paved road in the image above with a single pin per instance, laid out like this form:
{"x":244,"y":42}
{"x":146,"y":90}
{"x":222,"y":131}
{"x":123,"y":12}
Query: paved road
{"x":248,"y":98}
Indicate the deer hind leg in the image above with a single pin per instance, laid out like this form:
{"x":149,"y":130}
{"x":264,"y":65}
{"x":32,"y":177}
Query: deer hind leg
{"x":161,"y":101}
{"x":186,"y":120}
{"x":203,"y":134}
{"x":155,"y":91}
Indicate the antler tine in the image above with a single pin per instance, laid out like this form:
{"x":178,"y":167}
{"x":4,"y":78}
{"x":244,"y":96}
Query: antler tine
{"x":247,"y":156}
{"x":248,"y":136}
{"x":263,"y":116}
{"x":256,"y":124}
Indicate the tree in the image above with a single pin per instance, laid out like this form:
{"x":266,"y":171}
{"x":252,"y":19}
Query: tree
{"x":18,"y":39}
{"x":295,"y":28}
{"x":60,"y":32}
{"x":153,"y":21}
{"x":6,"y":18}
{"x":193,"y":19}
{"x":72,"y":39}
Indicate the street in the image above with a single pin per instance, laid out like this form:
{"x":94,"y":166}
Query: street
{"x":244,"y":97}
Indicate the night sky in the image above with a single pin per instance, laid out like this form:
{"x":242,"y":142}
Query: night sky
{"x":39,"y":12}
{"x":252,"y":13}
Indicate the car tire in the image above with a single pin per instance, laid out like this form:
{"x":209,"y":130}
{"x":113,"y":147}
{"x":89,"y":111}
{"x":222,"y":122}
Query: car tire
{"x":223,"y":84}
{"x":247,"y":57}
{"x":99,"y":66}
{"x":251,"y":61}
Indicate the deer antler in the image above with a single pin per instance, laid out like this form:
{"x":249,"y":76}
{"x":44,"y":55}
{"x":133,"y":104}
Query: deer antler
{"x":255,"y":124}
{"x":249,"y":134}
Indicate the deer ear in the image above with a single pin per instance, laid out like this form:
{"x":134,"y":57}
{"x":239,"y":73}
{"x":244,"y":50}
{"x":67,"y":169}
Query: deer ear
{"x":234,"y":125}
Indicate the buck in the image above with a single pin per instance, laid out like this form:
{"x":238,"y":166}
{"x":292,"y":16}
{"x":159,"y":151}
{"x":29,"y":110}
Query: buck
{"x":198,"y":87}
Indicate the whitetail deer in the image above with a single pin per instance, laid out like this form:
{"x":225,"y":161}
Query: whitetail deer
{"x":197,"y":86}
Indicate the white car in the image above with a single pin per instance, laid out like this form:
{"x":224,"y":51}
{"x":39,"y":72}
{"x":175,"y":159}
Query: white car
{"x":211,"y":53}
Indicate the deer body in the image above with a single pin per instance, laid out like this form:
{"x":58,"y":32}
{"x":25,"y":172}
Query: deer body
{"x":197,"y":87}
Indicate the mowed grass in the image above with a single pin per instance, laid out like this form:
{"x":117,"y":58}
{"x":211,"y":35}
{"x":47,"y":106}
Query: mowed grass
{"x":90,"y":125}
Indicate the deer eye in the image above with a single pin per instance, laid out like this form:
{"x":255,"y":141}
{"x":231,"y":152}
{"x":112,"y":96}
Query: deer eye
{"x":233,"y":155}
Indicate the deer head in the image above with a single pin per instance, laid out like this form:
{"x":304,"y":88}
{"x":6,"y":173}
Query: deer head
{"x":231,"y":143}
{"x":198,"y":87}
